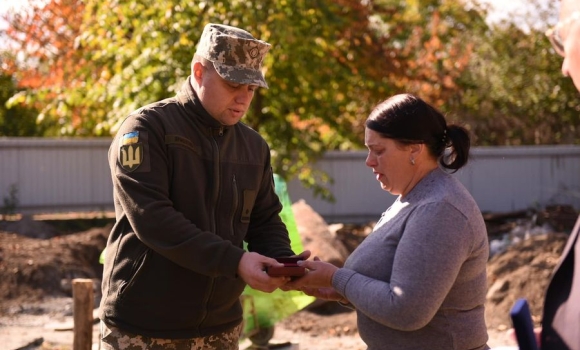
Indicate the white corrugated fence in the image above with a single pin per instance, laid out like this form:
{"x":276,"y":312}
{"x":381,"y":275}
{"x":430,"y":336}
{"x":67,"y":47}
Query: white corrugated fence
{"x":62,"y":175}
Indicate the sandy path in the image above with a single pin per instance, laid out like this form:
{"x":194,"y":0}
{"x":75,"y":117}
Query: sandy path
{"x":19,"y":330}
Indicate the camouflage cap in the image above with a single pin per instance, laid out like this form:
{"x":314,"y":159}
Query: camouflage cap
{"x":236,"y":55}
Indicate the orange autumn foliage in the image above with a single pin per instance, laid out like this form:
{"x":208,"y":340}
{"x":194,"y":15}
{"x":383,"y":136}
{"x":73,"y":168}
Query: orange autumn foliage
{"x":43,"y":37}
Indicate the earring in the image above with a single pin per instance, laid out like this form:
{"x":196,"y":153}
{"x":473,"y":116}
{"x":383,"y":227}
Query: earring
{"x":412,"y":161}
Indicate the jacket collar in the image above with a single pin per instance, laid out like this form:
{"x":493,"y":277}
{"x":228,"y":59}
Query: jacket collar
{"x":189,"y":99}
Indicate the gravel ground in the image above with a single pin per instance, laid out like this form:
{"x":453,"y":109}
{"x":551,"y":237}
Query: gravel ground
{"x":48,"y":326}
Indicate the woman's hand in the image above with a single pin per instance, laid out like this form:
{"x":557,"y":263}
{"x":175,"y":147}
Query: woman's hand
{"x":317,"y":281}
{"x":304,"y":255}
{"x":318,"y":275}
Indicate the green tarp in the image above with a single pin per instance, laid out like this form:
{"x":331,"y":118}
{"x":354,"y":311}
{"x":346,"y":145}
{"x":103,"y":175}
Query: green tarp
{"x":263,"y":310}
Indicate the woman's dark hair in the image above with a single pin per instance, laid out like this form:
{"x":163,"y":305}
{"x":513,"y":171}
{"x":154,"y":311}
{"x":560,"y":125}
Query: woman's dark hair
{"x":410,"y":120}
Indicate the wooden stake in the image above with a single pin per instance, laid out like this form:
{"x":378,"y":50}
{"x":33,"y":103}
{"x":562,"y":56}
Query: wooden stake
{"x":83,"y":313}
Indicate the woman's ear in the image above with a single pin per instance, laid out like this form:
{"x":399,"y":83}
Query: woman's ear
{"x":416,"y":149}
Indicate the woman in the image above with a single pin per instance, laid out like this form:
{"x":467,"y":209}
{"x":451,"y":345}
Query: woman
{"x":418,"y":281}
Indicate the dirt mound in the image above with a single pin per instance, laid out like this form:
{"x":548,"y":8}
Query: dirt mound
{"x":316,"y":235}
{"x":522,"y":271}
{"x":329,"y":319}
{"x":32,"y":269}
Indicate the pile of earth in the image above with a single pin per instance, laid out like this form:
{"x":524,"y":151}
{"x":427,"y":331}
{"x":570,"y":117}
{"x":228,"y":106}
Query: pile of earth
{"x":39,"y":257}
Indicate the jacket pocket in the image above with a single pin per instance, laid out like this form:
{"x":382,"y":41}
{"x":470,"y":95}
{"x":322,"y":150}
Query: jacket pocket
{"x":136,"y":271}
{"x":249,"y":198}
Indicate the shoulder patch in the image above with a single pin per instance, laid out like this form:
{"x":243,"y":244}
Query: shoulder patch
{"x":131,"y":152}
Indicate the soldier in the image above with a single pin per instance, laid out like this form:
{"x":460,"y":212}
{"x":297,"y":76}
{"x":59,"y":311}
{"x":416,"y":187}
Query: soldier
{"x":191,"y":184}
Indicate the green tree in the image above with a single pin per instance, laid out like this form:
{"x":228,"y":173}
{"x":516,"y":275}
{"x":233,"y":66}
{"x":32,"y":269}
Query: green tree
{"x":18,"y":120}
{"x":513,"y":90}
{"x":331,"y":61}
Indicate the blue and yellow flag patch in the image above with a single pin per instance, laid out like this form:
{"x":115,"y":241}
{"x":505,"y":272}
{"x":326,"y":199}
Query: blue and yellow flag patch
{"x":131,"y":152}
{"x":131,"y":137}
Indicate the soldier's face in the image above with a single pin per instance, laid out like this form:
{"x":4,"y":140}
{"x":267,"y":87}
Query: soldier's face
{"x":224,"y":100}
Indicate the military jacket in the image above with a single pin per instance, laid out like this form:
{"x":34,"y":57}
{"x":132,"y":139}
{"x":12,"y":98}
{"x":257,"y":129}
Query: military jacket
{"x":187,"y":193}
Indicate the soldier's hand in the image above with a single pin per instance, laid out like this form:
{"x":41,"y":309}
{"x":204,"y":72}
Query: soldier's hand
{"x":252,"y":269}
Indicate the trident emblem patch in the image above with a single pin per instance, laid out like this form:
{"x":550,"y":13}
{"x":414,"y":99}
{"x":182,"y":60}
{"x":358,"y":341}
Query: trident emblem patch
{"x":131,"y":153}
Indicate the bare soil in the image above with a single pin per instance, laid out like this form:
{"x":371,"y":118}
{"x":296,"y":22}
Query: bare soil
{"x":39,"y":258}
